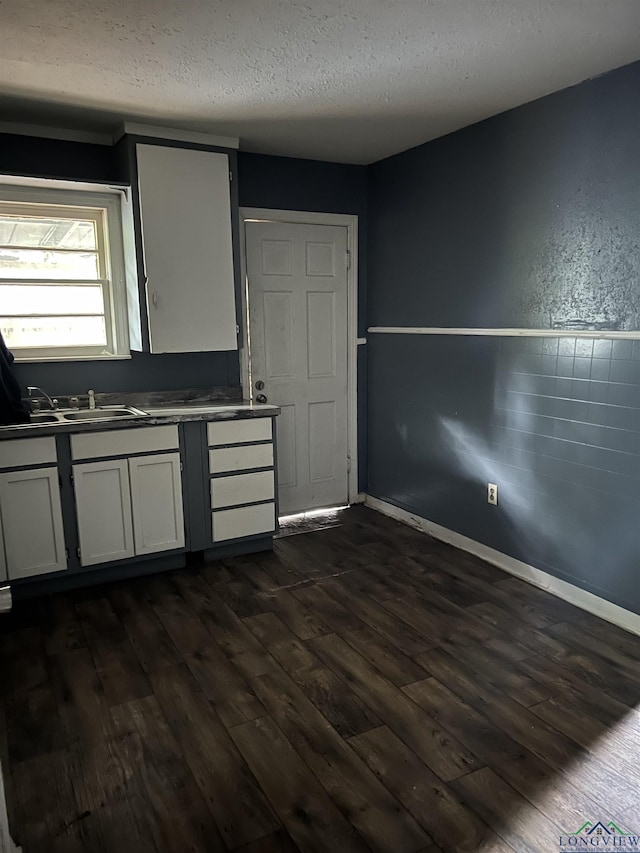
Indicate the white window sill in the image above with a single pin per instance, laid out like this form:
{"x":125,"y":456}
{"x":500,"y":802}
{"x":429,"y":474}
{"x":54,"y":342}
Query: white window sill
{"x":56,"y":358}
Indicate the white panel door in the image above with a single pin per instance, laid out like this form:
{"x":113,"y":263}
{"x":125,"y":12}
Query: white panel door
{"x":185,"y":208}
{"x":103,"y":510}
{"x":156,"y":497}
{"x":298,"y":323}
{"x":32,"y":522}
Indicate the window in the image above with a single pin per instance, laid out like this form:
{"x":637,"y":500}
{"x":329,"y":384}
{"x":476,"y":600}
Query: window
{"x":62,"y":290}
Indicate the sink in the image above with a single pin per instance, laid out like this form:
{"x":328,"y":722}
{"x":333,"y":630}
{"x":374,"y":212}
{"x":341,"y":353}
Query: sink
{"x":101,"y":414}
{"x":61,"y":416}
{"x":44,"y":419}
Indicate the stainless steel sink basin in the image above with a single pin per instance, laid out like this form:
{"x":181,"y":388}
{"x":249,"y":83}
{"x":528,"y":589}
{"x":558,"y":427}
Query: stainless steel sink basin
{"x":101,"y":414}
{"x":44,"y":419}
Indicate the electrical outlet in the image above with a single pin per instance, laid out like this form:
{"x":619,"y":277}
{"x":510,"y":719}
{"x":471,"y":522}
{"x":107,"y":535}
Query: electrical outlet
{"x":492,"y":494}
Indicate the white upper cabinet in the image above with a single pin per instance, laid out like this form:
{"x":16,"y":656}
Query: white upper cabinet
{"x":185,"y":208}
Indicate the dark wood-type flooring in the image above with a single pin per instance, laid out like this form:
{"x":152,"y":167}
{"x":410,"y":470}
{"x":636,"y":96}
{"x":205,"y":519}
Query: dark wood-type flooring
{"x":363,"y":687}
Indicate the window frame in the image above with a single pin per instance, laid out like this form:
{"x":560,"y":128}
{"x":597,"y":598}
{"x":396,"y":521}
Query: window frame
{"x":105,"y":204}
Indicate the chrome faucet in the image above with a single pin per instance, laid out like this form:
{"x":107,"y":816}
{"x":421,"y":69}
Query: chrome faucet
{"x":35,"y":405}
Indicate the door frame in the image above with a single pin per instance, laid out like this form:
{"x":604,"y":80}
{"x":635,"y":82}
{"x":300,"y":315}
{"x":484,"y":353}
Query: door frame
{"x":301,"y":217}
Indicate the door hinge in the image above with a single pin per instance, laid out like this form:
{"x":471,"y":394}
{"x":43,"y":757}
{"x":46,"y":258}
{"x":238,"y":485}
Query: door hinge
{"x":348,"y":464}
{"x":230,"y":175}
{"x":348,"y":256}
{"x":78,"y":554}
{"x":181,"y":465}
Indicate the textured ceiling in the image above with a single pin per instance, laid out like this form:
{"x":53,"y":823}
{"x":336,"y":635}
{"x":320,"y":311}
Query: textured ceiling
{"x":345,"y":80}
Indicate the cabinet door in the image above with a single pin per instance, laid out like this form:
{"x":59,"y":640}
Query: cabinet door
{"x":32,"y":522}
{"x":156,"y":494}
{"x":3,"y":562}
{"x":185,"y":209}
{"x":103,"y":509}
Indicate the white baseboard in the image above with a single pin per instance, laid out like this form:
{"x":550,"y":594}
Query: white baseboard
{"x":562,"y":589}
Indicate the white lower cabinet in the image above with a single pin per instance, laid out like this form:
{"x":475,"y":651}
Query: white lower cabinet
{"x":242,"y":495}
{"x":128,"y":507}
{"x":156,"y":493}
{"x":32,"y":523}
{"x":3,"y":562}
{"x":103,"y":510}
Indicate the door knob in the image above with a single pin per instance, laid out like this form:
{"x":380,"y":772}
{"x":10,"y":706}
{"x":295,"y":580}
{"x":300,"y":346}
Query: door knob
{"x":261,"y":398}
{"x":259,"y":385}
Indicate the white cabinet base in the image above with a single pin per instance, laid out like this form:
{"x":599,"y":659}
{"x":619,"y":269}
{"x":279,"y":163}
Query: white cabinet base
{"x":129,"y":507}
{"x":32,"y":523}
{"x":103,"y":508}
{"x":156,"y":492}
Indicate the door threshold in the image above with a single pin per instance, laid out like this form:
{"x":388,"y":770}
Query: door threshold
{"x":313,"y":519}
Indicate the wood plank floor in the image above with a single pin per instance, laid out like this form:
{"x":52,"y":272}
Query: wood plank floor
{"x":363,"y":687}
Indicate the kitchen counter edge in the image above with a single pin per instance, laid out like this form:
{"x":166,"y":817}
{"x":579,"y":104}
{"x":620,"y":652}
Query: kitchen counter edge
{"x":218,"y":412}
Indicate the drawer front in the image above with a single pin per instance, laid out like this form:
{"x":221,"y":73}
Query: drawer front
{"x":242,"y":489}
{"x":240,"y":458}
{"x":23,"y":452}
{"x":124,"y":442}
{"x":243,"y":521}
{"x":235,"y":432}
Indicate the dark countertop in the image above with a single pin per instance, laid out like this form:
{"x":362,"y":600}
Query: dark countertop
{"x":171,"y":413}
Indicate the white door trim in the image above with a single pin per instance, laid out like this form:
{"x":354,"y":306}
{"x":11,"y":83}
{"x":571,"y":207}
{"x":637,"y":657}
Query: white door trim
{"x":350,"y":222}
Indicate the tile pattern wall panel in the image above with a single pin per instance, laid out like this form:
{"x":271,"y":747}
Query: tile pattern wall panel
{"x":533,"y":415}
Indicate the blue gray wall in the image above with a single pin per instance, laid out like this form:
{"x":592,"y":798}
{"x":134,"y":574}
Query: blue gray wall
{"x":529,"y":219}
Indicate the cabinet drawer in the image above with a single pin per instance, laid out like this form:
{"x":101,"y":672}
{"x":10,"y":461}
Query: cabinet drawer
{"x":24,"y":452}
{"x":242,"y":489}
{"x":235,"y":432}
{"x":240,"y":458}
{"x":244,"y":521}
{"x":123,"y":442}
